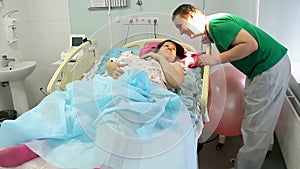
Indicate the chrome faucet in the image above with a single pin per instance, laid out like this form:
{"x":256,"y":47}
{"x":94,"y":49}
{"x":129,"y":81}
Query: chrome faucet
{"x":6,"y":60}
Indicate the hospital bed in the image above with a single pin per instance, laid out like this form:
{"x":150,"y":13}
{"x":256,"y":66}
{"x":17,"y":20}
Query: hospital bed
{"x":89,"y":63}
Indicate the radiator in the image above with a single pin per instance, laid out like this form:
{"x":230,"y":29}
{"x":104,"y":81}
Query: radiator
{"x":288,"y":131}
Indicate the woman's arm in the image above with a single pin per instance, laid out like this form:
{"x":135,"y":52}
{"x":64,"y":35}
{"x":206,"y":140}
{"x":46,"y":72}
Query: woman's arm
{"x":173,"y":72}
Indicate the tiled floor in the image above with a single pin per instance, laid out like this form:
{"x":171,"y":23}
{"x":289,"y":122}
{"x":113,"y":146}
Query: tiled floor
{"x":211,"y":158}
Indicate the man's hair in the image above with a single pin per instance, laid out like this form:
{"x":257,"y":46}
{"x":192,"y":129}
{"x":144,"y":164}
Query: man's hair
{"x":183,"y":10}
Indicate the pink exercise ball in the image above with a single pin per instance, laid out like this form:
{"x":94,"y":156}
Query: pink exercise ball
{"x":226,"y":86}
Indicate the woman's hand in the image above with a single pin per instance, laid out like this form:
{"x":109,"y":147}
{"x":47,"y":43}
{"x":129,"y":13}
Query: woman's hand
{"x":114,"y":69}
{"x":159,"y":56}
{"x":153,"y":55}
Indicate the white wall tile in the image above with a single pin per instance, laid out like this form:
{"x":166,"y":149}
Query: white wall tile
{"x":43,"y":29}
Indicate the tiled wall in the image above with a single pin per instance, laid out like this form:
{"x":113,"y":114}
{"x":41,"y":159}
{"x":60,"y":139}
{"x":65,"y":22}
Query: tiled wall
{"x":43,"y":29}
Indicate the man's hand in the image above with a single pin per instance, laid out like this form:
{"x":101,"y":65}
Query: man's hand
{"x":205,"y":59}
{"x":205,"y":40}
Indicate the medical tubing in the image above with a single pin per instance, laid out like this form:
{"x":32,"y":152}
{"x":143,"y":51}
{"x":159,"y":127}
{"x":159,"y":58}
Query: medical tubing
{"x":109,"y":20}
{"x":154,"y":27}
{"x":127,"y":34}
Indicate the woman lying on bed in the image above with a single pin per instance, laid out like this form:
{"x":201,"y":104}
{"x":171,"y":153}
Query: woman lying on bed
{"x":165,"y":56}
{"x":126,"y":123}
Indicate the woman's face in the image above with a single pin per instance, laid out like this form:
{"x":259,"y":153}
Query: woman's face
{"x":168,"y":50}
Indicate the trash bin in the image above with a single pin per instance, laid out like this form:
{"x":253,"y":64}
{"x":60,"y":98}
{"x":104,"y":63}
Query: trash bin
{"x":8,"y":114}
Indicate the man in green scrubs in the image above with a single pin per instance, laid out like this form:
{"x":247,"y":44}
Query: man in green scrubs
{"x":260,"y":57}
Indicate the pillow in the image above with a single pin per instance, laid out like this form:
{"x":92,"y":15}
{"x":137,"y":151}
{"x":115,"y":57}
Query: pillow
{"x":191,"y":59}
{"x":150,"y":47}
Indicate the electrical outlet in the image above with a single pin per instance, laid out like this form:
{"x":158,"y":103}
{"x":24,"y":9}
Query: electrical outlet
{"x":138,"y":20}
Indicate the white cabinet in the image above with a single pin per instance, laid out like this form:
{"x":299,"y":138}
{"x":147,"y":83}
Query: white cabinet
{"x":287,"y":131}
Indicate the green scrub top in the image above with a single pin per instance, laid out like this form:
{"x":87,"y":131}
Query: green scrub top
{"x":224,"y":28}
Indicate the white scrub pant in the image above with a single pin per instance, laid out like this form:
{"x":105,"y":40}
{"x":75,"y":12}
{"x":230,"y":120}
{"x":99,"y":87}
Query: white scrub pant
{"x":263,"y":99}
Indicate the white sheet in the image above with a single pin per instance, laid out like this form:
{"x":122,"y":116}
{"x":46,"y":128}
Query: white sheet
{"x":39,"y":163}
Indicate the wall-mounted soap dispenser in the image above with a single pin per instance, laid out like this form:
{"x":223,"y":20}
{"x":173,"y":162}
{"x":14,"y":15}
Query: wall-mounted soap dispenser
{"x":11,"y":29}
{"x":9,"y":25}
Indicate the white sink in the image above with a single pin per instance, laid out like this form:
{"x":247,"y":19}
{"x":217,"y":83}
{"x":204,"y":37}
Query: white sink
{"x":17,"y":71}
{"x":15,"y":74}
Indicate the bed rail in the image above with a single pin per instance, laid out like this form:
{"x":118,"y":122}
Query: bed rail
{"x":87,"y":53}
{"x":205,"y":83}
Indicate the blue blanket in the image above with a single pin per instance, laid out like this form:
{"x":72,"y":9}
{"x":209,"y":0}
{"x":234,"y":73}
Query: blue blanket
{"x":129,"y":123}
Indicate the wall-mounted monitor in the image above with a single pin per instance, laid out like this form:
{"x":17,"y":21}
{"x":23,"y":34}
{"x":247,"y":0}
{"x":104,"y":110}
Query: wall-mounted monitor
{"x":76,"y":40}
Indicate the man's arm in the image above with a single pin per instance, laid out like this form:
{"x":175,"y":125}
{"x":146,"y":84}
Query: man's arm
{"x":242,"y":46}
